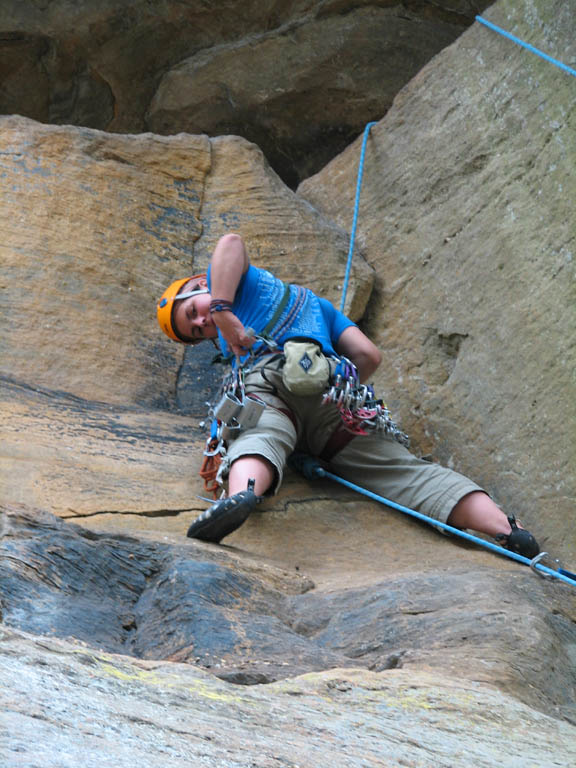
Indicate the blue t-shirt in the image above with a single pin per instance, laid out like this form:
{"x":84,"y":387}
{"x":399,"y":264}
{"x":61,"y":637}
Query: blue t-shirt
{"x":258,"y":295}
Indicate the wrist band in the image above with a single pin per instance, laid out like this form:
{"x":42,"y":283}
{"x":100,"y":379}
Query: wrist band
{"x":220,"y":305}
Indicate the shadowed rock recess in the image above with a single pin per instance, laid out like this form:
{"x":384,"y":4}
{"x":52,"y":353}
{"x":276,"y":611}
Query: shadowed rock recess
{"x":328,"y":631}
{"x":299,"y":78}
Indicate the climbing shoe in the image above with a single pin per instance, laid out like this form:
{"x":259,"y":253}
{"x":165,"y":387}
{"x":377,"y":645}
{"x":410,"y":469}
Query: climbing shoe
{"x":223,"y":517}
{"x":518,"y":540}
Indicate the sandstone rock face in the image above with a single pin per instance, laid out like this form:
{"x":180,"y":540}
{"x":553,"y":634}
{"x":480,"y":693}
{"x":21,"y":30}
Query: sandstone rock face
{"x":466,"y":216}
{"x":99,"y":64}
{"x":99,"y":224}
{"x":82,"y":459}
{"x":251,"y":623}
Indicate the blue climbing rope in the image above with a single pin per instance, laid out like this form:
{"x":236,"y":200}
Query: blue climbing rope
{"x":528,"y":47}
{"x":355,"y":216}
{"x":491,"y":26}
{"x":450,"y":529}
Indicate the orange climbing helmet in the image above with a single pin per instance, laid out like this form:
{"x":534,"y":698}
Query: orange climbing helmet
{"x":165,"y":305}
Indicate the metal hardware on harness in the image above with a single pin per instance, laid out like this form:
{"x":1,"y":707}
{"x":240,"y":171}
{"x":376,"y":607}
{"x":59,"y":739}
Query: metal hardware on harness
{"x":229,"y":431}
{"x":214,"y":446}
{"x":251,"y":412}
{"x":359,"y":408}
{"x":234,"y":412}
{"x":267,"y":340}
{"x":228,"y":408}
{"x":376,"y":418}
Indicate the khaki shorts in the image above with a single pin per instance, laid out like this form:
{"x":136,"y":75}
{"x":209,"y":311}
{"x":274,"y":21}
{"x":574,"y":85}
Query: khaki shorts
{"x":374,"y":461}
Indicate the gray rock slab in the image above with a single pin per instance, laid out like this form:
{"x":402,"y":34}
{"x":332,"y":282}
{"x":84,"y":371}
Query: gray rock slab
{"x":151,"y":600}
{"x":64,"y":704}
{"x":195,"y":603}
{"x":303,"y":92}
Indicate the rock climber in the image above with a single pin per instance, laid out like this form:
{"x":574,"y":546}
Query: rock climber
{"x":306,"y":364}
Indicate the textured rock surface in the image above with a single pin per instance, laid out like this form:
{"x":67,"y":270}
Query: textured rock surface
{"x":127,"y":470}
{"x":467,"y":218}
{"x":251,"y":623}
{"x":320,"y":69}
{"x":81,"y":705}
{"x":99,"y":63}
{"x":97,"y":225}
{"x":82,"y":458}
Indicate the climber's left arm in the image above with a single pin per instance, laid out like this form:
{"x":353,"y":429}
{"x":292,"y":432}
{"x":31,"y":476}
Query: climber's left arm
{"x":358,"y":348}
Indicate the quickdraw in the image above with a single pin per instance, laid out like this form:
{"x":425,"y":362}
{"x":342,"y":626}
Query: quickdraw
{"x":359,"y":408}
{"x":234,"y":411}
{"x":211,"y":462}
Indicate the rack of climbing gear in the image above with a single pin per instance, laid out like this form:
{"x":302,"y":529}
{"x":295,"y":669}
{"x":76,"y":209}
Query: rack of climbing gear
{"x":359,"y":408}
{"x":228,"y":406}
{"x":233,"y":412}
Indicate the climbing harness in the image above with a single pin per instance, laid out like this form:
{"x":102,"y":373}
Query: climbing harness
{"x":235,"y":411}
{"x":312,"y":470}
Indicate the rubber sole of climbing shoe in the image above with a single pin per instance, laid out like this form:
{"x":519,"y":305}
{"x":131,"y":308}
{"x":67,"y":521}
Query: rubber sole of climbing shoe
{"x":223,"y":517}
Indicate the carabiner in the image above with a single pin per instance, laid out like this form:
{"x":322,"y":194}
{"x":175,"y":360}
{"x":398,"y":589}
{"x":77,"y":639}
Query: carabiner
{"x":534,"y":562}
{"x":220,"y":448}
